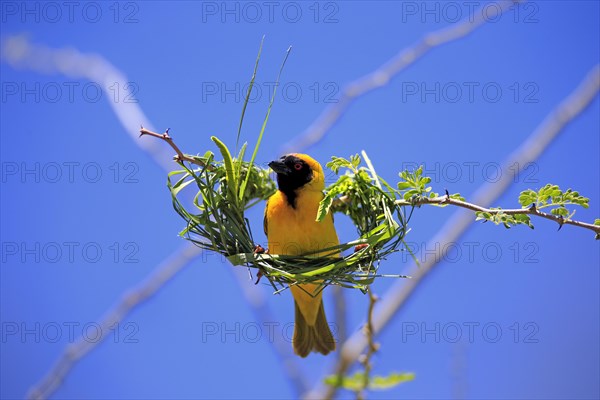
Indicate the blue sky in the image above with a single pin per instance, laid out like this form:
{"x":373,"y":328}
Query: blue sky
{"x":86,"y":213}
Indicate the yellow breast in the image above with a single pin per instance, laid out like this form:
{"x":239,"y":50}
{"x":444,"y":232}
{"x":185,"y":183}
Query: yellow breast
{"x":293,"y":230}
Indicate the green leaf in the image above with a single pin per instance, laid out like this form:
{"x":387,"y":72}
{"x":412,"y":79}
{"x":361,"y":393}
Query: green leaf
{"x":527,"y":198}
{"x":339,"y":162}
{"x":356,"y":382}
{"x":238,"y":165}
{"x":561,"y":211}
{"x":390,"y":381}
{"x":415,"y":182}
{"x":403,"y":185}
{"x":419,"y":171}
{"x":325,"y":205}
{"x":184,"y":181}
{"x":523,"y":219}
{"x":457,"y":196}
{"x":353,"y":383}
{"x":250,"y":87}
{"x":264,"y":124}
{"x":550,"y":196}
{"x":231,"y":182}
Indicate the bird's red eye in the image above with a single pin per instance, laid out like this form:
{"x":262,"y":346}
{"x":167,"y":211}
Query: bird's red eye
{"x":297,"y":166}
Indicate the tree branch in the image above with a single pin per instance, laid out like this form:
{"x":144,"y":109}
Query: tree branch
{"x":447,"y":200}
{"x":179,"y":157}
{"x":444,"y":200}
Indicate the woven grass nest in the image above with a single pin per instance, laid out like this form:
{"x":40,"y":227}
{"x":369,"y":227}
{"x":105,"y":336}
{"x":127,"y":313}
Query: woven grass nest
{"x":226,"y":188}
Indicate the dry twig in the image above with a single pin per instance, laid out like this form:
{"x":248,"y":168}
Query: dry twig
{"x":180,"y":156}
{"x":474,"y":207}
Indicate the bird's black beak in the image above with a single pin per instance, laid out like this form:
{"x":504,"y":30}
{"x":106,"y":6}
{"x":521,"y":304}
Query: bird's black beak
{"x":280,"y":168}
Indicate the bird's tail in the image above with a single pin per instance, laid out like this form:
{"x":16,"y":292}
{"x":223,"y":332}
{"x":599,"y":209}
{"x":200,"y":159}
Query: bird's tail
{"x":317,"y":337}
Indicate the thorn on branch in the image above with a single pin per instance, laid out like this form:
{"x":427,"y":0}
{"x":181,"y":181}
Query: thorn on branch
{"x":560,"y":221}
{"x":532,"y":208}
{"x":414,"y":201}
{"x":447,"y":199}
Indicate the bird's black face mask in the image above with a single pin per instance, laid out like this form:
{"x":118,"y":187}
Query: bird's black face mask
{"x":292,"y":173}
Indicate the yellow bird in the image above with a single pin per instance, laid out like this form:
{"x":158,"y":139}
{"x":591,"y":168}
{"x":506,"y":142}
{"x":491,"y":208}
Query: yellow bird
{"x":291,"y":229}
